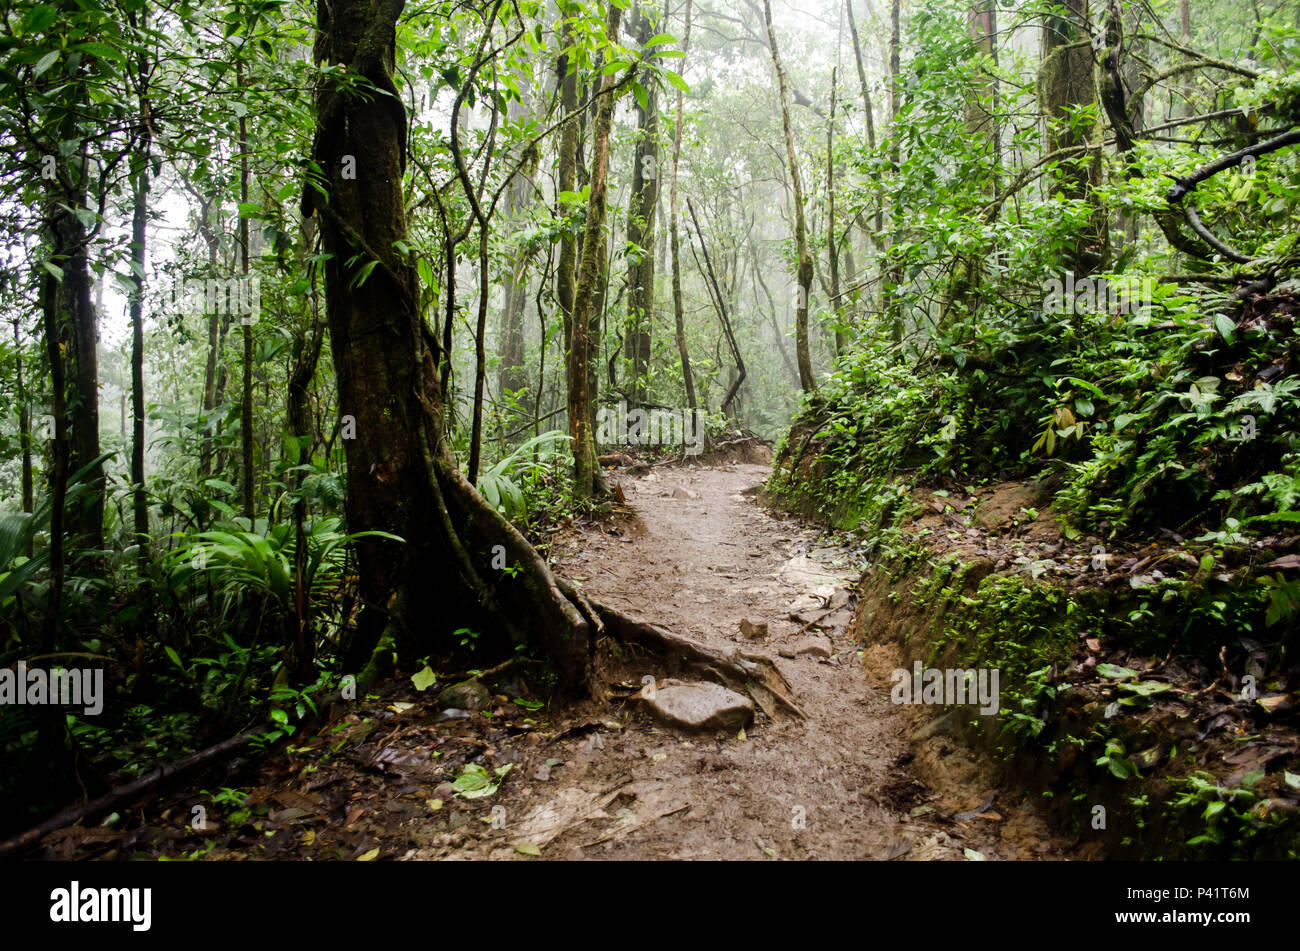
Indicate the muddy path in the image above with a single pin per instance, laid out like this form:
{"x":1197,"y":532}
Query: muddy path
{"x":417,"y":772}
{"x":701,"y":556}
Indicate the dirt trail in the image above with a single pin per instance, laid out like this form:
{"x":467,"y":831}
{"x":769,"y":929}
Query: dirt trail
{"x":385,"y":779}
{"x":701,"y":557}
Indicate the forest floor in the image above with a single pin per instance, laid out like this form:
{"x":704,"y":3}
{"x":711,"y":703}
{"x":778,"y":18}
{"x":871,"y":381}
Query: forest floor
{"x":695,"y":553}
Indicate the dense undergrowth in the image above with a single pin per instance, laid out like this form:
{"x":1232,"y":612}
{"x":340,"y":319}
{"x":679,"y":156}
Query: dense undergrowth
{"x":1157,"y":418}
{"x":193,"y":647}
{"x":1171,"y":434}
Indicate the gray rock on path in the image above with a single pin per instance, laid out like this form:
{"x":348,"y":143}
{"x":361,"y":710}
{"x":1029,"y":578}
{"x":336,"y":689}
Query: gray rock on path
{"x":466,"y":695}
{"x":698,"y":706}
{"x":754,"y":629}
{"x":816,"y":646}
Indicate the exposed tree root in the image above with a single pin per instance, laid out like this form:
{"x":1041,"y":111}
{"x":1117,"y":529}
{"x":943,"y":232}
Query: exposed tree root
{"x":732,"y":667}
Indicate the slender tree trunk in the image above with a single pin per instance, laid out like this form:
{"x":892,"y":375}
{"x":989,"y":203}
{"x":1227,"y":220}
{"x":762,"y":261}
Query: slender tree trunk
{"x":306,"y":357}
{"x":981,"y":107}
{"x":890,"y":286}
{"x":24,"y":427}
{"x":771,"y":311}
{"x":246,"y":403}
{"x":674,"y":216}
{"x":1065,"y":83}
{"x":804,"y":265}
{"x":139,"y":220}
{"x":979,"y":110}
{"x":721,"y":304}
{"x":211,"y":392}
{"x":867,"y":109}
{"x":483,"y":220}
{"x":832,"y":245}
{"x":642,"y":205}
{"x":513,"y":377}
{"x":587,"y":478}
{"x":566,"y":266}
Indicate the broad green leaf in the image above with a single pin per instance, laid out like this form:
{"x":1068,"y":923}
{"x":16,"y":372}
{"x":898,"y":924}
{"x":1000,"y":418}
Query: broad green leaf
{"x":39,"y":17}
{"x":424,"y":679}
{"x":45,"y":62}
{"x":1115,"y":672}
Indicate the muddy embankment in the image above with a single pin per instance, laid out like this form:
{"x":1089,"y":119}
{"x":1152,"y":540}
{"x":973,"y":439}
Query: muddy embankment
{"x":1140,"y":723}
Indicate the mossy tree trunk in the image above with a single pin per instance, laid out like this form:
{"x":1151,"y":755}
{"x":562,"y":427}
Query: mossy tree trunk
{"x":1065,"y":83}
{"x":401,"y":478}
{"x":587,"y":479}
{"x":643,"y":202}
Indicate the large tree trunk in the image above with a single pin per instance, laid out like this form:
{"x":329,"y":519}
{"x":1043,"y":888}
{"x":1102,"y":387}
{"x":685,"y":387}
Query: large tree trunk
{"x":804,"y":264}
{"x":400,"y":476}
{"x":78,"y":340}
{"x":587,"y":479}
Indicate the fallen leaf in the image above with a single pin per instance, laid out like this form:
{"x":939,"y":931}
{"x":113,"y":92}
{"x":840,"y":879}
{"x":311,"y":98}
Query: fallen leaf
{"x":527,"y":848}
{"x":1115,"y":672}
{"x":424,"y":679}
{"x":369,"y":856}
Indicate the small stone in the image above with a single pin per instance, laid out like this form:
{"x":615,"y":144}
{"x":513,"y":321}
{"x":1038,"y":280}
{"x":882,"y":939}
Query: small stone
{"x":466,"y":695}
{"x":753,"y":629}
{"x":685,"y":494}
{"x":700,"y":706}
{"x":815,"y":646}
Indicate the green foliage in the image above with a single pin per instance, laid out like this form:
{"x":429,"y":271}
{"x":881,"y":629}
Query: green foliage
{"x":528,"y":465}
{"x":235,"y":564}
